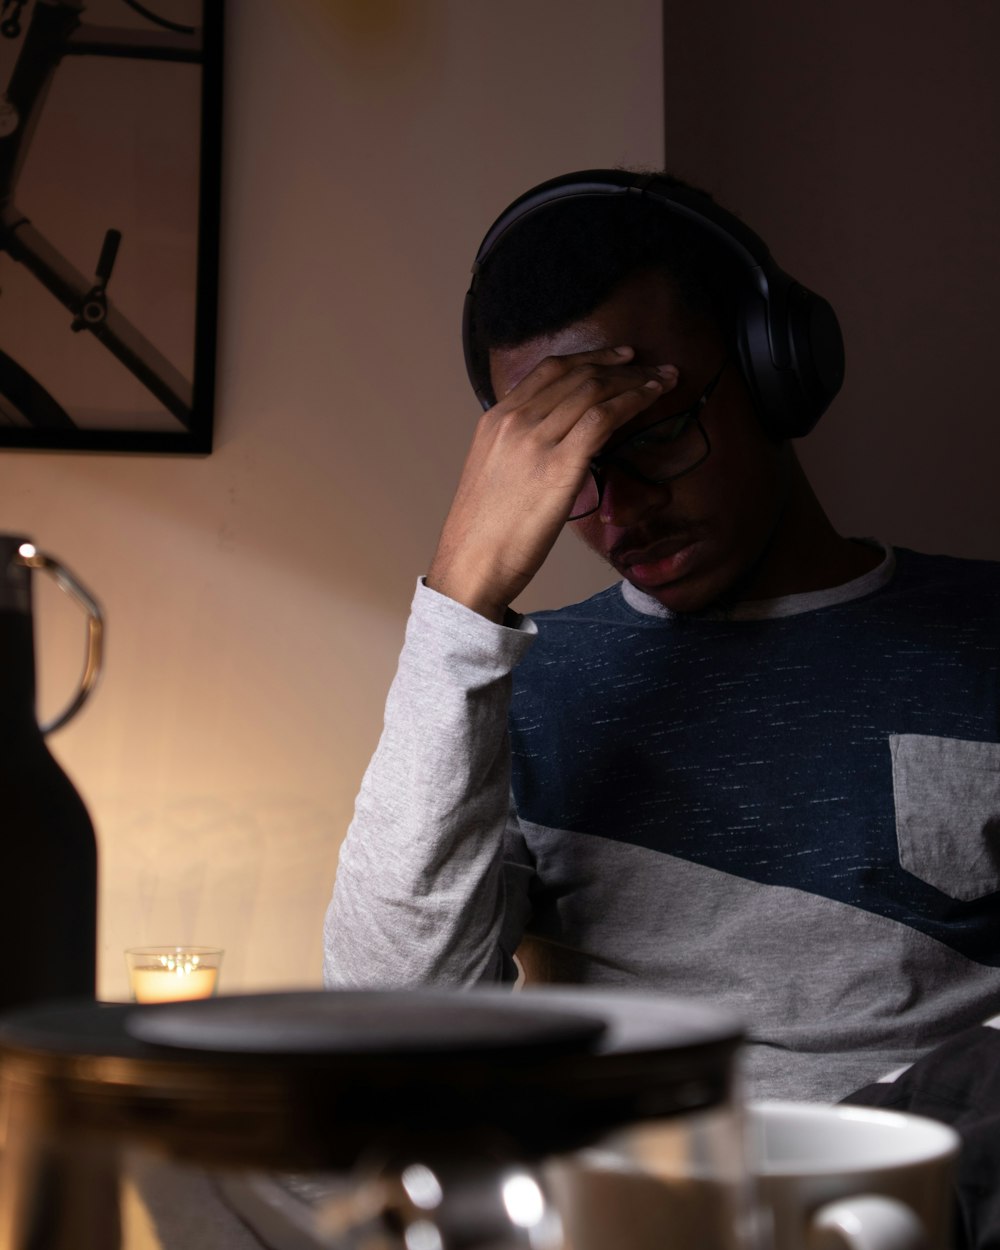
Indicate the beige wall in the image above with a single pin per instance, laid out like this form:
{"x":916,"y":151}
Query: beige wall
{"x":256,"y":597}
{"x":861,"y":139}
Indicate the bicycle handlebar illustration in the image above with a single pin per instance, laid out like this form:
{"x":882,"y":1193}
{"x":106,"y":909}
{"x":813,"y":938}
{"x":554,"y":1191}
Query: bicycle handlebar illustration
{"x":56,"y":29}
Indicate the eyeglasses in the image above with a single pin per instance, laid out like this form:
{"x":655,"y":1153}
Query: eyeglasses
{"x":661,"y":452}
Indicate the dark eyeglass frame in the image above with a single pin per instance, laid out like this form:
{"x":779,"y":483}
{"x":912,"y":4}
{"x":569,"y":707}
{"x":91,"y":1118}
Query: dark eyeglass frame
{"x":616,"y":458}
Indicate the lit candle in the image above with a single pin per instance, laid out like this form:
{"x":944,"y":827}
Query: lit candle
{"x":173,"y":978}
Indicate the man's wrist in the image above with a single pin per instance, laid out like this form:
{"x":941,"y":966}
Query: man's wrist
{"x":447,"y":617}
{"x":467,"y":592}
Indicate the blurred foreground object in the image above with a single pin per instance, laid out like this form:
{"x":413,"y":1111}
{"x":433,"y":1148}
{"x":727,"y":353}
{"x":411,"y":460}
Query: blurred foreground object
{"x":360,"y":1120}
{"x":48,"y":920}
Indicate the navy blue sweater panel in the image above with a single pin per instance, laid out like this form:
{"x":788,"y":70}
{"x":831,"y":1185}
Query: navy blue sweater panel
{"x":761,"y":748}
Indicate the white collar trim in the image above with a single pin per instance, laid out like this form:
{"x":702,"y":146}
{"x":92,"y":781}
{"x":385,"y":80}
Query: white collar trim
{"x":785,"y":605}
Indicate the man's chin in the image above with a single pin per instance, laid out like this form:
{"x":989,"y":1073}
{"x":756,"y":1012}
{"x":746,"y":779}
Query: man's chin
{"x":696,"y":590}
{"x":686,"y":595}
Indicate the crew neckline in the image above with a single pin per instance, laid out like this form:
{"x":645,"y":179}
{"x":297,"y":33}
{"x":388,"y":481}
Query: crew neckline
{"x":784,"y":605}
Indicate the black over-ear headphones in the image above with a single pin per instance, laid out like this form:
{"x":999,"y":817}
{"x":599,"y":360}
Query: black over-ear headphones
{"x":790,"y":347}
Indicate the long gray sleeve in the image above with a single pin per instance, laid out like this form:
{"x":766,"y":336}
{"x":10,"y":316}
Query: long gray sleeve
{"x":420,"y":895}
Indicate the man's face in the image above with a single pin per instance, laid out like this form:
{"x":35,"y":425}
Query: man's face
{"x":700,"y":538}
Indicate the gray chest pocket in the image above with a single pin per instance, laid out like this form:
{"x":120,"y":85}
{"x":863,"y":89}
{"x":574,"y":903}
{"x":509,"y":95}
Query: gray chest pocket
{"x":947,"y":795}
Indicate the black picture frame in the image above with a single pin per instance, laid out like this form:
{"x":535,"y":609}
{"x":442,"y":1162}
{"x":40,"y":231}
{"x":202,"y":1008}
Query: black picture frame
{"x":110,"y":169}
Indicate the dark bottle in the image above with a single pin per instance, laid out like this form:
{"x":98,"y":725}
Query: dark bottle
{"x":48,"y":853}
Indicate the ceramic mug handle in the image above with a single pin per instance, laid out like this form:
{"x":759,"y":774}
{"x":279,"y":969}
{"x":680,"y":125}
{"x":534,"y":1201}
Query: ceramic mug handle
{"x":867,"y":1222}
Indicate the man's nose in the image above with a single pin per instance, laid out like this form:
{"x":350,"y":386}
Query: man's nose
{"x":626,"y":501}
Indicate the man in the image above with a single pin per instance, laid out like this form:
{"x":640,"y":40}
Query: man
{"x":762,"y":769}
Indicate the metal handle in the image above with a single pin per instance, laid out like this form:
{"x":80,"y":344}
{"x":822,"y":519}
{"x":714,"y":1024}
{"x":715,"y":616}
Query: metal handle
{"x":454,"y":1202}
{"x":29,"y":555}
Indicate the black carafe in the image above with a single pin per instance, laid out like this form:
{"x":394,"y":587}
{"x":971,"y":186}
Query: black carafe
{"x":48,"y":853}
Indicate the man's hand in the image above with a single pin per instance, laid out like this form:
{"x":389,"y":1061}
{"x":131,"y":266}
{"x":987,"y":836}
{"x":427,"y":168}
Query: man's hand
{"x":526,"y":466}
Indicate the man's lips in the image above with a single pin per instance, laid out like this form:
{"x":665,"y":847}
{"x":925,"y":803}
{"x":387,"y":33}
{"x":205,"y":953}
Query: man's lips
{"x":658,"y":562}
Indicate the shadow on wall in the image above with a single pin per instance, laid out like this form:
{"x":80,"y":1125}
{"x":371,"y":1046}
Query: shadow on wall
{"x":217,"y":870}
{"x":860,"y":139}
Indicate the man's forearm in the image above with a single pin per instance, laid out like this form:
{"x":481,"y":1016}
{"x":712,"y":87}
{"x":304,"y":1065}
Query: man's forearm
{"x":419,"y":897}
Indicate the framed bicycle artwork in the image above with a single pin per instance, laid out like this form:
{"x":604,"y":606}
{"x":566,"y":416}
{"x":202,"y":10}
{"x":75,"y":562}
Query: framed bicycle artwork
{"x":110,"y":129}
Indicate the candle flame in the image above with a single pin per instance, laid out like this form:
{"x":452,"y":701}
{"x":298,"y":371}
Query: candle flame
{"x":182,"y":965}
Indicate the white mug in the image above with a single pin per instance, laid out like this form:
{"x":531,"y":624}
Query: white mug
{"x":822,"y":1176}
{"x":842,"y":1176}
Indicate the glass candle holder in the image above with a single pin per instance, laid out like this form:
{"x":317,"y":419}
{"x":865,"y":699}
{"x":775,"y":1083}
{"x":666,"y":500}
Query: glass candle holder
{"x":171,"y":974}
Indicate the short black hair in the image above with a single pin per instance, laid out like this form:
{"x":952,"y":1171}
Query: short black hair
{"x":557,"y":265}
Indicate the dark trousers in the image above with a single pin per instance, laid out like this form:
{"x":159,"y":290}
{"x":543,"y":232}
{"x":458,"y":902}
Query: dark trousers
{"x":959,"y":1083}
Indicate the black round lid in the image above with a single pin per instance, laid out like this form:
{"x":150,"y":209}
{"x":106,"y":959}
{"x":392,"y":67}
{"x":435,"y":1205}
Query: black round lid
{"x":360,"y":1023}
{"x":308,"y":1079}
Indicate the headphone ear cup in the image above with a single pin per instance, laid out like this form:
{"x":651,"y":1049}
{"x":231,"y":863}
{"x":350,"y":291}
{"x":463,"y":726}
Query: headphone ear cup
{"x":790,"y":400}
{"x":818,"y":352}
{"x":753,"y":346}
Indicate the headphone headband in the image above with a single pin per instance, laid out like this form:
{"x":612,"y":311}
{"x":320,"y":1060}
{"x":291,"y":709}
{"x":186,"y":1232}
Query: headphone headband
{"x":788,"y":339}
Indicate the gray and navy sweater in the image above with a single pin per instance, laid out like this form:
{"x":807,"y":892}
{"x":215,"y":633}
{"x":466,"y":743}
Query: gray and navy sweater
{"x":791,"y":810}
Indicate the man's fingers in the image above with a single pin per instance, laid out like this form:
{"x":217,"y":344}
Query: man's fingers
{"x":553,"y":368}
{"x":561,"y":388}
{"x":598,"y":401}
{"x":588,"y":426}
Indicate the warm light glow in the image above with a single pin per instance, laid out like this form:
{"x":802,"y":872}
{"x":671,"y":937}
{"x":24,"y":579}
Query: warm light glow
{"x":171,"y":979}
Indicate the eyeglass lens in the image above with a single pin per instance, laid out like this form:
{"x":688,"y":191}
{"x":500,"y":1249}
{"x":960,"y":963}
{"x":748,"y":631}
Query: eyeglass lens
{"x":588,"y":500}
{"x":664,"y":450}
